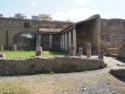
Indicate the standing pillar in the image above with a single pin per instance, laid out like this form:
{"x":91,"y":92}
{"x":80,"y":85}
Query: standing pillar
{"x":80,"y":51}
{"x":38,"y":46}
{"x":66,"y":41}
{"x":74,"y":38}
{"x":50,"y":41}
{"x":69,"y":33}
{"x":63,"y":42}
{"x":38,"y":40}
{"x":88,"y":50}
{"x":98,"y":30}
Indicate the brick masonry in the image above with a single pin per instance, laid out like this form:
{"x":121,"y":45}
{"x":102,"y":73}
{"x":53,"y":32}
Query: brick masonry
{"x":43,"y":65}
{"x":15,"y":26}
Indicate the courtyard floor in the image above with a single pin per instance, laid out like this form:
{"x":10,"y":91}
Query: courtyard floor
{"x":87,"y":82}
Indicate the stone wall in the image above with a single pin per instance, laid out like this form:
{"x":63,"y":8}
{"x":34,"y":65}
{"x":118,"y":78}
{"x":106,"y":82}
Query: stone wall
{"x":42,"y":65}
{"x":112,"y":33}
{"x":121,"y":52}
{"x":14,"y":26}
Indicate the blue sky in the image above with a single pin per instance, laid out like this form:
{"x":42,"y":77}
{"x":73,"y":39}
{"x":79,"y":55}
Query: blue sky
{"x":74,"y":10}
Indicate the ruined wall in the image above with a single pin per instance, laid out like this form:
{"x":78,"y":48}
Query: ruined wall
{"x":14,"y":26}
{"x":88,"y":32}
{"x":112,"y":33}
{"x":42,"y":65}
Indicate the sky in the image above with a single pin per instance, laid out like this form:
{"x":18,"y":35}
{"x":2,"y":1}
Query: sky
{"x":72,"y":10}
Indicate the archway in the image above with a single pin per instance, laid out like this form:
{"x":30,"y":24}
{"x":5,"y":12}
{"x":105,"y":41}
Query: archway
{"x":25,"y":40}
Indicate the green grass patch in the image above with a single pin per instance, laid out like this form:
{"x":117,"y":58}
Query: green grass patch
{"x":24,"y":54}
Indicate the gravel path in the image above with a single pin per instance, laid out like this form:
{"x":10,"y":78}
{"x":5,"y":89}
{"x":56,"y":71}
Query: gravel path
{"x":88,"y":82}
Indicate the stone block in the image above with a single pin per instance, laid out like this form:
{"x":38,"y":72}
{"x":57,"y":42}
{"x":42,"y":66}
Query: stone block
{"x":38,"y":50}
{"x":1,"y":48}
{"x":100,"y":54}
{"x":14,"y":47}
{"x":72,"y":50}
{"x":88,"y":50}
{"x":80,"y":51}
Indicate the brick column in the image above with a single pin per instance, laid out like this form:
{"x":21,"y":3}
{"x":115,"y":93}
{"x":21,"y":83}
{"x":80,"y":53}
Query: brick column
{"x":100,"y":54}
{"x":88,"y":50}
{"x":50,"y":41}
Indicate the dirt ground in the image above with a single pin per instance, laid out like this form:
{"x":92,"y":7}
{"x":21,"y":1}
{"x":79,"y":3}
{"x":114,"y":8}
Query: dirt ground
{"x":87,"y":82}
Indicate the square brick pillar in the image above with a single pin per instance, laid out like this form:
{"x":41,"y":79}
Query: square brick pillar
{"x":88,"y":50}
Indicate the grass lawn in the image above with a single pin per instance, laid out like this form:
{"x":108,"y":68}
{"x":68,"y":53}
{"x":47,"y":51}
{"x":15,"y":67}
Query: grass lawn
{"x":23,"y":54}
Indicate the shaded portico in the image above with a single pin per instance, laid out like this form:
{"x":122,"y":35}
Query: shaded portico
{"x":77,"y":34}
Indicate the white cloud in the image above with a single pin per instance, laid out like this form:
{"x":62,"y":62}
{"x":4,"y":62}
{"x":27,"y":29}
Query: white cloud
{"x":80,"y":2}
{"x":76,"y":15}
{"x":34,"y":3}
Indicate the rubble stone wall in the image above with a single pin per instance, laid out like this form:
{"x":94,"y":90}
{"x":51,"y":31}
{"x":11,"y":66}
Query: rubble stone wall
{"x":112,"y":33}
{"x":43,"y":65}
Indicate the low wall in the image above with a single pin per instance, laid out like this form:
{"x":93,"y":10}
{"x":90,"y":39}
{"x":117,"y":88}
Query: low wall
{"x":112,"y":51}
{"x":118,"y":71}
{"x":42,"y":65}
